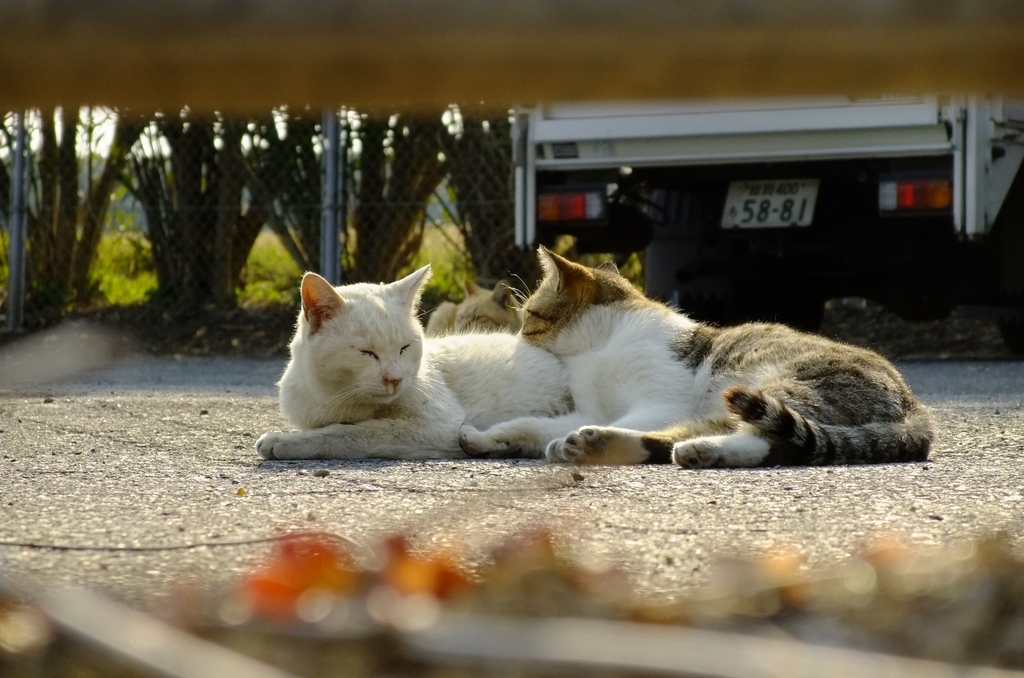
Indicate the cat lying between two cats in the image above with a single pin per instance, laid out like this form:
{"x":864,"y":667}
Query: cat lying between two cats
{"x":599,"y":374}
{"x":480,"y":310}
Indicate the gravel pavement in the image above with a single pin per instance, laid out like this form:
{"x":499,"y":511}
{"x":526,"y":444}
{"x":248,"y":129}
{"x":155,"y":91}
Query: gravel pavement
{"x":129,"y":464}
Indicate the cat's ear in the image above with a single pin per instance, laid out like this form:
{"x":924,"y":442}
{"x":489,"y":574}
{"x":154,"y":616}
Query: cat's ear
{"x":471,"y":288}
{"x":608,"y":266}
{"x":561,"y":269}
{"x":409,"y":288}
{"x":320,"y":302}
{"x":502,"y":295}
{"x":547,"y":262}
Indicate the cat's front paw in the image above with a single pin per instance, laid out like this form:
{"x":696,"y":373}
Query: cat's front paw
{"x":480,"y":445}
{"x":583,"y":446}
{"x":697,"y":453}
{"x":276,"y":445}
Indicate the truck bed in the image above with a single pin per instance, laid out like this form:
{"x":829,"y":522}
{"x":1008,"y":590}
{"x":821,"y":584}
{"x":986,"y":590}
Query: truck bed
{"x":577,"y":136}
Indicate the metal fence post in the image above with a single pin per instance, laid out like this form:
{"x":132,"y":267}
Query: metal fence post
{"x":17,"y":241}
{"x":330,"y":224}
{"x":342,"y":202}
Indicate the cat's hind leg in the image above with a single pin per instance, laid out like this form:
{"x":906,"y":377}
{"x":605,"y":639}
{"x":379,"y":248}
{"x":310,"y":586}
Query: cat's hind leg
{"x":618,"y":446}
{"x":736,"y":450}
{"x":605,"y":445}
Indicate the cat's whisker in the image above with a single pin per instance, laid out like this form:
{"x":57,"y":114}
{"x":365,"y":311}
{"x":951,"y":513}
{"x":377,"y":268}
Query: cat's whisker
{"x":337,"y":400}
{"x":430,"y":388}
{"x":520,"y":294}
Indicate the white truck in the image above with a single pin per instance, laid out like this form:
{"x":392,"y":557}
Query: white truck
{"x":766,"y":209}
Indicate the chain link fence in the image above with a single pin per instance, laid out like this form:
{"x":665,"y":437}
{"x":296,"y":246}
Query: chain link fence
{"x":433,"y":187}
{"x":176,"y":212}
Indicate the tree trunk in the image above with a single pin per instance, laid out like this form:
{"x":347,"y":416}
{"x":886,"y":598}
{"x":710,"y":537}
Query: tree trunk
{"x":284,"y":178}
{"x":40,"y":234}
{"x":192,"y":226}
{"x":126,"y":132}
{"x":300,"y":190}
{"x":5,"y":190}
{"x":481,"y":176}
{"x":393,"y":193}
{"x":246,"y":231}
{"x":369,"y":205}
{"x":148,"y":185}
{"x":193,"y":201}
{"x":231,"y":170}
{"x":262,"y":196}
{"x":66,"y":224}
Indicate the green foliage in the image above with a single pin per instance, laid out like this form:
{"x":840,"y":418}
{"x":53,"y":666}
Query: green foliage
{"x":633,"y":270}
{"x":122,"y":273}
{"x":444,"y":250}
{"x":270,"y":276}
{"x":631,"y":265}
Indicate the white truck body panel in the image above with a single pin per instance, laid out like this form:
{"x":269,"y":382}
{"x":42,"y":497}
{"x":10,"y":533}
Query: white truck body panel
{"x":561,"y":137}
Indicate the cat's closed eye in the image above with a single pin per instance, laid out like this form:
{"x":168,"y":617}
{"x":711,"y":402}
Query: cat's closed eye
{"x":538,"y":316}
{"x":371,"y":354}
{"x":402,"y":350}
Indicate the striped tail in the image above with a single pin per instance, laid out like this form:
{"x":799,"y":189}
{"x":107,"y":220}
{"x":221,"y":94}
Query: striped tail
{"x":797,"y":440}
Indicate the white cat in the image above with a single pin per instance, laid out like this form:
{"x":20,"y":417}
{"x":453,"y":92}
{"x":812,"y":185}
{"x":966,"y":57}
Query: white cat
{"x":481,"y":310}
{"x":363,"y":382}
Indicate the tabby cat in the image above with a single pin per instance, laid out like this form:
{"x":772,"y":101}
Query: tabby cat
{"x":481,"y":310}
{"x":364,"y":382}
{"x":651,"y":385}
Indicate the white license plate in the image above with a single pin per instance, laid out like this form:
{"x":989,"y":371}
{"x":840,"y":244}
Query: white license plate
{"x":767,"y":204}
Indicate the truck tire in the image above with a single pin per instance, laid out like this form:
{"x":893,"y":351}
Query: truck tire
{"x":802,"y":314}
{"x":799,"y":312}
{"x":1012,"y":330}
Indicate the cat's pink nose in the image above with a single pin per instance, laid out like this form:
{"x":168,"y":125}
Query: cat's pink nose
{"x":392,"y":383}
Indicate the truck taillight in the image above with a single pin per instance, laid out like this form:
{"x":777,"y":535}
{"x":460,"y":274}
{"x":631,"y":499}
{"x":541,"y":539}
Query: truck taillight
{"x":571,"y":206}
{"x":915,"y":195}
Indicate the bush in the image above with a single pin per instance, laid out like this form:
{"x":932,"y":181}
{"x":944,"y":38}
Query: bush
{"x":444,"y":250}
{"x":122,"y":273}
{"x":270,"y":276}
